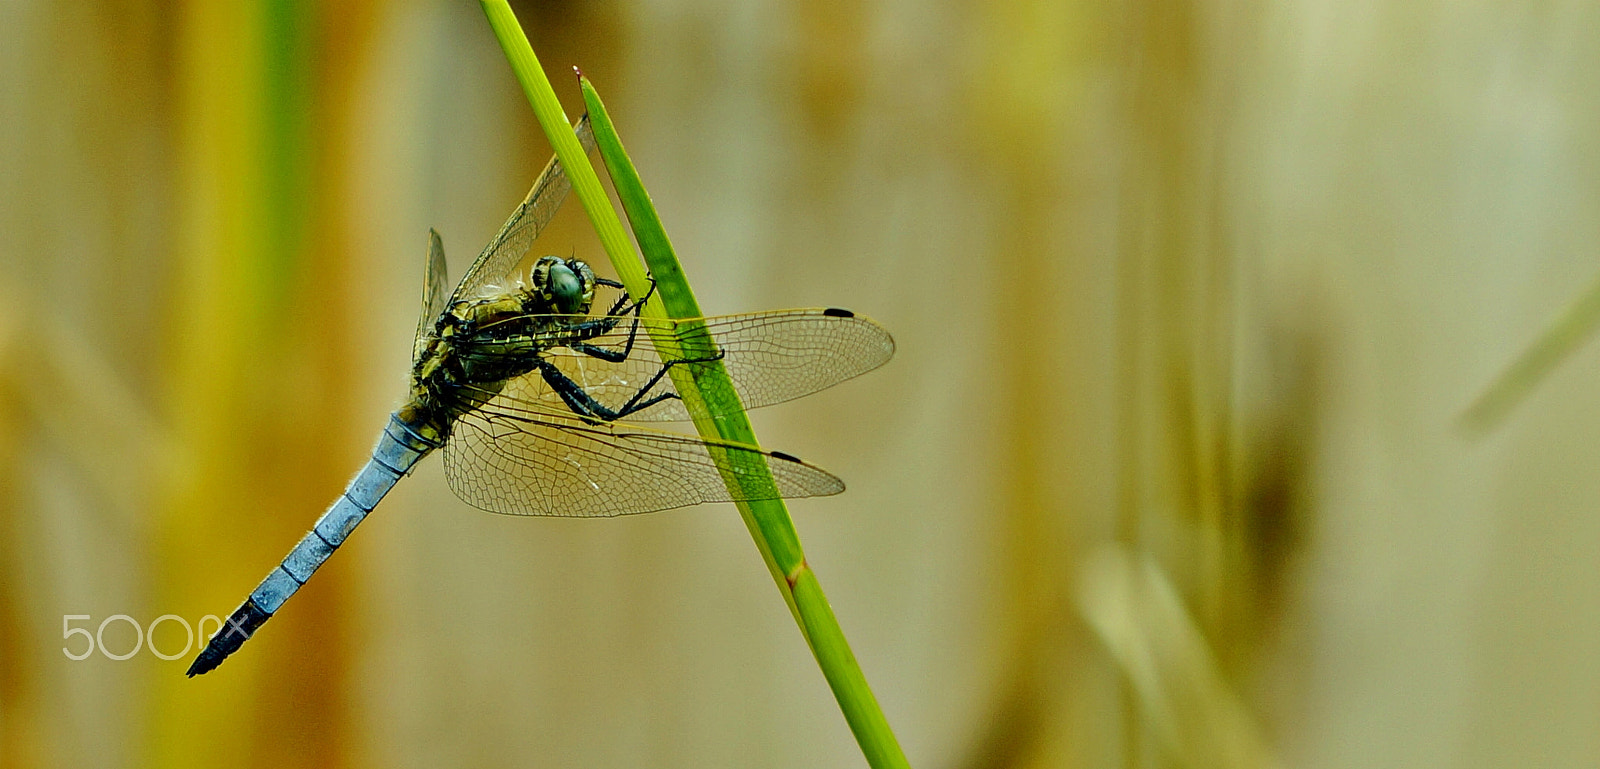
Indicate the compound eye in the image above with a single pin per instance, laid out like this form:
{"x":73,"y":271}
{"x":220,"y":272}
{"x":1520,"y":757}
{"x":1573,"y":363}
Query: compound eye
{"x":566,"y":289}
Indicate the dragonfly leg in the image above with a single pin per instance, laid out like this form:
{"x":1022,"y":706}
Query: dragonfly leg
{"x":633,"y":403}
{"x":622,"y":308}
{"x":593,"y":327}
{"x":622,"y":300}
{"x":608,"y":322}
{"x":604,"y":353}
{"x":584,"y":405}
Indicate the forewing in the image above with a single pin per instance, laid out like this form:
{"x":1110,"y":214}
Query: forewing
{"x":771,"y":357}
{"x":508,"y":458}
{"x":526,"y":222}
{"x":433,"y":290}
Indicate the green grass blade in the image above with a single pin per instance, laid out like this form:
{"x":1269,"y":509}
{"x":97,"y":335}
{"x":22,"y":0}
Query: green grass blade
{"x":708,"y":392}
{"x":565,"y":143}
{"x":659,"y":255}
{"x":839,"y":667}
{"x":768,"y":520}
{"x":1564,"y":336}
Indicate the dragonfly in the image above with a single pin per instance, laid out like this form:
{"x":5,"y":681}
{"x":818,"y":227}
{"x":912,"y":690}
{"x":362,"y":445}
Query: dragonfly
{"x":540,"y":406}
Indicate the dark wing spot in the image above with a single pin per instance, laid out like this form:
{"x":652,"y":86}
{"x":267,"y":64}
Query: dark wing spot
{"x":835,"y":312}
{"x":786,"y":457}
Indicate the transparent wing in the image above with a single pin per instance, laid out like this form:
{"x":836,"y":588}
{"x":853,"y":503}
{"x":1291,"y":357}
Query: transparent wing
{"x":771,"y":357}
{"x":433,"y":290}
{"x":525,"y":223}
{"x":509,"y":458}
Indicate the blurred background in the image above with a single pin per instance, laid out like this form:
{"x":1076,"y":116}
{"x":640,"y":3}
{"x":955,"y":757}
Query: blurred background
{"x":1168,"y":469}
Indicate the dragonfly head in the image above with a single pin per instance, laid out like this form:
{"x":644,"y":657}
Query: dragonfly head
{"x":564,"y":286}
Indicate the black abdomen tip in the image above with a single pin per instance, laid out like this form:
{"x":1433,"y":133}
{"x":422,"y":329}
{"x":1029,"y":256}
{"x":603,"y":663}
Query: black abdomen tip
{"x":233,"y":633}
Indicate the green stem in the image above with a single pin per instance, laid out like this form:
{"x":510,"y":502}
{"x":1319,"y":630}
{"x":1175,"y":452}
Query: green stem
{"x":565,"y":143}
{"x":707,"y":391}
{"x":768,"y":520}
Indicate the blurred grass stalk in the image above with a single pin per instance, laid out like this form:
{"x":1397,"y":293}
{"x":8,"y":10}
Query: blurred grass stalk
{"x":708,"y":392}
{"x":1178,"y":684}
{"x":1575,"y":325}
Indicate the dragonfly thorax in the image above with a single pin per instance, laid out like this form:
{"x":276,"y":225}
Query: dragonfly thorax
{"x":478,"y":345}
